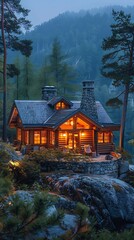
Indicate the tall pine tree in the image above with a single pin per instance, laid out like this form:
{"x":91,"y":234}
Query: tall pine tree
{"x":118,"y":61}
{"x":12,"y":22}
{"x":57,"y":71}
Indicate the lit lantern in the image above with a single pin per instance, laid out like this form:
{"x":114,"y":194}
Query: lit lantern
{"x":82,"y":133}
{"x":64,"y":134}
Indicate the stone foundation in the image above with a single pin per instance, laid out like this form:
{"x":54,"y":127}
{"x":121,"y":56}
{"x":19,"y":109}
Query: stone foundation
{"x":106,"y":167}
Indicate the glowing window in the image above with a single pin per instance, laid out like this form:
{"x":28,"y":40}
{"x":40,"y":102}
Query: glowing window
{"x":19,"y":134}
{"x":100,"y":137}
{"x":52,"y":138}
{"x":26,"y":137}
{"x":81,"y":124}
{"x":103,"y":137}
{"x":68,"y":124}
{"x":43,"y":137}
{"x":58,"y":105}
{"x":61,"y":105}
{"x":106,"y":137}
{"x":36,"y":137}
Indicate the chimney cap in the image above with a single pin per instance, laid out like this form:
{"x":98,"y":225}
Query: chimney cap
{"x":48,"y":87}
{"x":48,"y":92}
{"x":88,"y":83}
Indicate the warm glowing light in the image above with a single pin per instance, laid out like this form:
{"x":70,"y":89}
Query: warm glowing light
{"x":82,"y":134}
{"x":16,"y":164}
{"x":71,"y":123}
{"x":63,"y":134}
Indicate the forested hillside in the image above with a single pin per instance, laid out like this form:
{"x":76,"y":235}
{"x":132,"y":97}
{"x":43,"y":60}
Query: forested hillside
{"x":80,"y":35}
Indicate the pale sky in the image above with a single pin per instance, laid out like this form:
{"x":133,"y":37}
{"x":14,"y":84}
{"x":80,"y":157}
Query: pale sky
{"x":44,"y":10}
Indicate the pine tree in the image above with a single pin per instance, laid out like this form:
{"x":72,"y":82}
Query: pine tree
{"x":27,"y":73}
{"x":56,"y":62}
{"x":118,"y":62}
{"x":57,"y":71}
{"x":12,"y":21}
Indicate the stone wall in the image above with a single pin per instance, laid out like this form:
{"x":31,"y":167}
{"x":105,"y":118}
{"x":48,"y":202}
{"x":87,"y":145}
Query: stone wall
{"x":107,"y":167}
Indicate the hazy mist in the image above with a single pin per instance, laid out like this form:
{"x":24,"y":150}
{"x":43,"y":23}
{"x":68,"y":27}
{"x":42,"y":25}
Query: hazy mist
{"x":43,"y":10}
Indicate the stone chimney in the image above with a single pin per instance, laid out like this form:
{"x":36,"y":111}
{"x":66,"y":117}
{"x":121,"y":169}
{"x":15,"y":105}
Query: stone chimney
{"x":88,"y":104}
{"x":49,"y":92}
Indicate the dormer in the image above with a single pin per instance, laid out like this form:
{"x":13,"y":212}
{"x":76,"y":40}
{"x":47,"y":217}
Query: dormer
{"x":59,"y":103}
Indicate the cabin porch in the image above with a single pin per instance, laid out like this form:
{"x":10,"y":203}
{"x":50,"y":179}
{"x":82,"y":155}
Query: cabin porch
{"x":87,"y":141}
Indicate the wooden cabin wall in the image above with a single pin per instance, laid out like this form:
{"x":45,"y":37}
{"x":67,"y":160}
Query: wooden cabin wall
{"x":87,"y":138}
{"x":62,"y":139}
{"x":105,"y":148}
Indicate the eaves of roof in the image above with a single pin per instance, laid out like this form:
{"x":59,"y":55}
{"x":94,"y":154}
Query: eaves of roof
{"x":11,"y":112}
{"x":112,"y":126}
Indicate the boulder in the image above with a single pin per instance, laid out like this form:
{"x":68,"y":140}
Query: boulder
{"x":61,"y":224}
{"x":110,"y":200}
{"x":123,"y":168}
{"x":131,"y":167}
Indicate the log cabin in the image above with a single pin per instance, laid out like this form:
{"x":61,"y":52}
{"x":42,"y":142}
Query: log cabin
{"x":56,"y":122}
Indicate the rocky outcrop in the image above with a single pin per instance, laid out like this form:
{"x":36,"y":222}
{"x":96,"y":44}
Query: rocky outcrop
{"x":111,"y":201}
{"x":123,"y":169}
{"x":57,"y":224}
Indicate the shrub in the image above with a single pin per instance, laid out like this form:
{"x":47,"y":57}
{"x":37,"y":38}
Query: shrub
{"x":40,"y":156}
{"x":4,"y":156}
{"x":25,"y":172}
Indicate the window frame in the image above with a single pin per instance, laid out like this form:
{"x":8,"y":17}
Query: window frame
{"x":40,"y":137}
{"x":103,"y":138}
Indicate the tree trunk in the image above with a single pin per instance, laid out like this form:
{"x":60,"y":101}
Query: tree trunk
{"x":4,"y":74}
{"x":17,"y":86}
{"x":123,"y":118}
{"x":27,"y":77}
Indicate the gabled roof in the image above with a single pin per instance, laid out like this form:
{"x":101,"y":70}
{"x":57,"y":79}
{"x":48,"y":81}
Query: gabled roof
{"x":33,"y":112}
{"x":61,"y":116}
{"x":40,"y":114}
{"x":55,"y":100}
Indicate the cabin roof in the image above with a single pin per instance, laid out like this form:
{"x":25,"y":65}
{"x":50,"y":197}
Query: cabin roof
{"x":40,"y":113}
{"x":61,"y":116}
{"x":103,"y":117}
{"x":33,"y":112}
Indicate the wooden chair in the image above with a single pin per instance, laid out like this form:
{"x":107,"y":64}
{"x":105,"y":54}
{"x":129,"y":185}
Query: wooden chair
{"x":87,"y":149}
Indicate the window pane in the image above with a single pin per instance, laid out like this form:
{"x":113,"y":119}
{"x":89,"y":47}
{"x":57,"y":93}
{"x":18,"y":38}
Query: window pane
{"x":68,"y":124}
{"x":52,"y":138}
{"x":100,"y":137}
{"x":36,"y":137}
{"x":58,"y":105}
{"x":43,"y":137}
{"x":106,"y":137}
{"x":19,"y":134}
{"x":61,"y":105}
{"x":26,"y":137}
{"x":81,"y":124}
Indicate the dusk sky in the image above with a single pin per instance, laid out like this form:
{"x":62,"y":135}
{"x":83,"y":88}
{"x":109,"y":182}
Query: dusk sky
{"x":43,"y":10}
